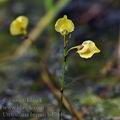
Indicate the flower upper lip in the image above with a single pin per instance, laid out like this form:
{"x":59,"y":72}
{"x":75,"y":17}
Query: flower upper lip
{"x":64,"y":25}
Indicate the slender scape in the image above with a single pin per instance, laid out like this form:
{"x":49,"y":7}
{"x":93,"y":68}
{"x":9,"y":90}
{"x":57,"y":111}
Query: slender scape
{"x":63,"y":76}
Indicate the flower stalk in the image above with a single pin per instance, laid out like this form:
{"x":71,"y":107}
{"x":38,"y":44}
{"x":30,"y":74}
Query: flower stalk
{"x":63,"y":76}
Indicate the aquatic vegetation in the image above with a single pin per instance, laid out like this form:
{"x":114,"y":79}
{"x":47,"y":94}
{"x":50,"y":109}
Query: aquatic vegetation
{"x":86,"y":50}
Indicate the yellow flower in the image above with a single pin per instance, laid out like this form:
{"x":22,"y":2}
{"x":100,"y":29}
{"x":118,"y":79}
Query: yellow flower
{"x":64,"y":25}
{"x":88,"y":49}
{"x":19,"y":26}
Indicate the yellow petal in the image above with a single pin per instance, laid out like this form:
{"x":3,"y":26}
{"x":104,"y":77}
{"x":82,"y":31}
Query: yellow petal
{"x":19,"y":25}
{"x":88,"y":50}
{"x":64,"y":25}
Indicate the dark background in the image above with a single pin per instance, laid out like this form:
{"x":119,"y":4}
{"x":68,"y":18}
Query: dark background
{"x":91,"y":85}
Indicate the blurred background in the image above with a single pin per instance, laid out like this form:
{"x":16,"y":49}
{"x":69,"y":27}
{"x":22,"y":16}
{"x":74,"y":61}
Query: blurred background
{"x":30,"y":72}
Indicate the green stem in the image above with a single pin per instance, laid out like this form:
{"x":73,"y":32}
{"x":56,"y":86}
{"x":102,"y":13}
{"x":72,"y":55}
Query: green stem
{"x":78,"y":47}
{"x":72,"y":48}
{"x":63,"y":78}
